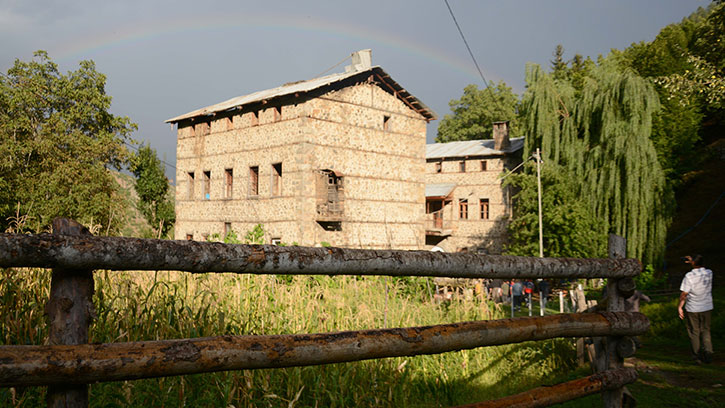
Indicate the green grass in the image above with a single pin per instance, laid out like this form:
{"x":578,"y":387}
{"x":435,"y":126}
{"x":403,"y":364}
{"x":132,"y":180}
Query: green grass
{"x":135,"y":306}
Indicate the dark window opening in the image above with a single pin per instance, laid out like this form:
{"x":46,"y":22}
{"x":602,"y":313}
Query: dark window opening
{"x":463,"y":208}
{"x":189,"y":237}
{"x":331,"y":225}
{"x":462,"y":166}
{"x":484,"y":208}
{"x":207,"y":185}
{"x":228,"y":182}
{"x":254,"y":180}
{"x":277,"y":179}
{"x":439,"y":167}
{"x":227,"y":229}
{"x":190,"y":190}
{"x":386,"y":123}
{"x":484,"y":165}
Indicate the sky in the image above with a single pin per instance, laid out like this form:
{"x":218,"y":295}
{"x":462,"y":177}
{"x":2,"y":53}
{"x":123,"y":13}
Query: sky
{"x":163,"y":58}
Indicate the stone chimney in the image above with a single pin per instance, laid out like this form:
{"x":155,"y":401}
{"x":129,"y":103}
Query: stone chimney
{"x":501,"y":135}
{"x":361,"y":60}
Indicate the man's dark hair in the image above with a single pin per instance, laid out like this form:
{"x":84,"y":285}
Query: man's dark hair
{"x":697,"y":260}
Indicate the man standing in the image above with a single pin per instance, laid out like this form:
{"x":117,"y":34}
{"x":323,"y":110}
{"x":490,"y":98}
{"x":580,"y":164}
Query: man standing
{"x":696,"y":297}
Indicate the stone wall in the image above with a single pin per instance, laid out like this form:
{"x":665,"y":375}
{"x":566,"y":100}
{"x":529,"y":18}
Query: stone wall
{"x":361,"y":132}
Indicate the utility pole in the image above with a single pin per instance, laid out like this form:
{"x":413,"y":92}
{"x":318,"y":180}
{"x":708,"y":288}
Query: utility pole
{"x":538,"y":180}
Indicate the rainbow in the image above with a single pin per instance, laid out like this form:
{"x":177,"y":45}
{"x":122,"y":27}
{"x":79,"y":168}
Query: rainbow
{"x":138,"y":32}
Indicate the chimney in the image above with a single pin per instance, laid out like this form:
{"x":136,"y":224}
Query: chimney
{"x":501,"y":135}
{"x":361,"y":60}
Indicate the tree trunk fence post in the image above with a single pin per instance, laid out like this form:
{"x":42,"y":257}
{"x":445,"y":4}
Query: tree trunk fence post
{"x":69,"y":311}
{"x":612,"y":357}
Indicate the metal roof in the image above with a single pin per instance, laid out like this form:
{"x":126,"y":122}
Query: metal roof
{"x":301,"y":87}
{"x":470,"y":148}
{"x":438,"y":190}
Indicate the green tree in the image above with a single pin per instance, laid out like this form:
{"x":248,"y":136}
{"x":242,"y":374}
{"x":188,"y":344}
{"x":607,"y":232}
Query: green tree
{"x":474,"y":114}
{"x":569,"y":228}
{"x":57,"y":139}
{"x":152,"y":189}
{"x":601,"y":137}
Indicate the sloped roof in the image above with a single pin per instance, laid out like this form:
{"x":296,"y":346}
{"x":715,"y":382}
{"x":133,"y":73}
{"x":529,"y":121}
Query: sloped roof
{"x":301,"y":87}
{"x":438,"y":190}
{"x":470,"y":148}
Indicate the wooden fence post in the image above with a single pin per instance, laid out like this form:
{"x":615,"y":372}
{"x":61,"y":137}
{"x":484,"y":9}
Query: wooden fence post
{"x":615,"y":303}
{"x":69,"y":311}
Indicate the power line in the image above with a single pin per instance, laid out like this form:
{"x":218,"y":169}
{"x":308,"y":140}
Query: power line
{"x":480,"y":72}
{"x":136,"y":149}
{"x":332,"y":67}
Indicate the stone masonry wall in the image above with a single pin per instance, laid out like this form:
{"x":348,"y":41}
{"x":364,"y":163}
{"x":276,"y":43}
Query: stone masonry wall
{"x":363,"y":133}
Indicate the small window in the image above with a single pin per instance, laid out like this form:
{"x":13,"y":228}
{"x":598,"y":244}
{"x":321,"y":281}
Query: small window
{"x":276,"y":241}
{"x":207,"y":185}
{"x":386,"y":123}
{"x":439,"y":166}
{"x":484,"y":166}
{"x":463,"y":208}
{"x":227,"y":229}
{"x":190,"y":181}
{"x":484,"y":208}
{"x":277,"y":113}
{"x":189,"y":237}
{"x":277,"y":179}
{"x":462,"y":166}
{"x":228,"y":182}
{"x":254,"y":180}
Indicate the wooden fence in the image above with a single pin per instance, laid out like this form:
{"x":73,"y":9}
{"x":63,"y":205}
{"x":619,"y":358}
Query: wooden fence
{"x":68,"y":364}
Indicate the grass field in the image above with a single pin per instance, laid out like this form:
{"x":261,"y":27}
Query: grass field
{"x":164,"y":305}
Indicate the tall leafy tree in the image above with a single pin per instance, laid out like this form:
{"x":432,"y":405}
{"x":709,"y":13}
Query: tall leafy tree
{"x":152,"y":188}
{"x":57,"y":139}
{"x":601,"y":137}
{"x":473,"y":115}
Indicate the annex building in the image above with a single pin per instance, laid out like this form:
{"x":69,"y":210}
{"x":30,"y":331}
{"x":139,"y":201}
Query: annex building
{"x":467,"y":205}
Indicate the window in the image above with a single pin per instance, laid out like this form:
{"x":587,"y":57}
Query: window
{"x":207,"y":185}
{"x":254,"y":180}
{"x":386,"y":123}
{"x":484,"y":166}
{"x":462,"y":166}
{"x":227,"y":229}
{"x":439,"y":166}
{"x":190,"y":189}
{"x":228,"y":183}
{"x":189,"y":237}
{"x":484,"y":208}
{"x":276,"y":179}
{"x":463,"y":208}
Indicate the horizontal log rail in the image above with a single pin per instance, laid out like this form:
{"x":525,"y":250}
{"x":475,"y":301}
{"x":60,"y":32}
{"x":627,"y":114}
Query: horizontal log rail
{"x":117,"y":253}
{"x":556,"y":394}
{"x":88,"y":363}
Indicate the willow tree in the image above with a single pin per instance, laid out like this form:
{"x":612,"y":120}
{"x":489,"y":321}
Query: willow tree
{"x":600,"y":135}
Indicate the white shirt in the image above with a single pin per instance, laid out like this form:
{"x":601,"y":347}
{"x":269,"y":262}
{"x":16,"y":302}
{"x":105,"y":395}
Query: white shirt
{"x":698,"y":285}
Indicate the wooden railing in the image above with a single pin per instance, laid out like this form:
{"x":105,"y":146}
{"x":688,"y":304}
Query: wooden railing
{"x":68,"y":363}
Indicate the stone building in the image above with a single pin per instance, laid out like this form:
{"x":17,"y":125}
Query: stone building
{"x":467,"y":207}
{"x":337,"y":159}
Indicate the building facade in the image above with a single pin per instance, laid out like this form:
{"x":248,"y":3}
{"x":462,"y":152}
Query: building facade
{"x":467,"y":206}
{"x":338,"y":159}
